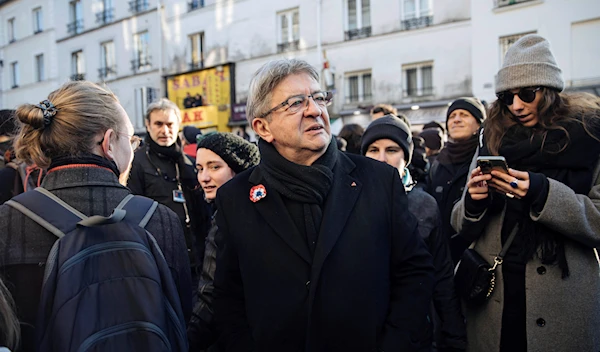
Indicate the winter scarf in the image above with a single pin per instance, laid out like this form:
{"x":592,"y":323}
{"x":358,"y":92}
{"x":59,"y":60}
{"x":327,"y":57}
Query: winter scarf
{"x":172,"y":152}
{"x":568,"y":160}
{"x":308,"y":185}
{"x":458,"y":153}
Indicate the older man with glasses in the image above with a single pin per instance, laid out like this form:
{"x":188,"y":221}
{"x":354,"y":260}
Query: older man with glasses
{"x":320,"y":252}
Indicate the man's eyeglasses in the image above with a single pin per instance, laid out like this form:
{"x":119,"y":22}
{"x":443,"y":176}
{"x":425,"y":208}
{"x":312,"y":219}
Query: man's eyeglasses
{"x":135,"y":141}
{"x":527,"y":95}
{"x":300,"y":102}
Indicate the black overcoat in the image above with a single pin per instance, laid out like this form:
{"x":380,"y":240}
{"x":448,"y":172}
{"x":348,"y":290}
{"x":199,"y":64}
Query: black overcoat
{"x":367,"y":287}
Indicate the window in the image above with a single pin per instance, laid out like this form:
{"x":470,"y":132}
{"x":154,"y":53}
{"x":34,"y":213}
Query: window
{"x":11,"y":30}
{"x":418,"y":79}
{"x":77,"y":66}
{"x":144,"y":96}
{"x":75,"y":25}
{"x":358,"y":87}
{"x":502,"y":3}
{"x":507,"y":41}
{"x":106,"y":15}
{"x":358,"y":16}
{"x":289,"y":30}
{"x":197,"y":52}
{"x":14,"y":69}
{"x":136,"y":6}
{"x":195,"y":4}
{"x":416,"y":14}
{"x":39,"y":68}
{"x":142,"y":51}
{"x":107,"y":60}
{"x":38,"y":24}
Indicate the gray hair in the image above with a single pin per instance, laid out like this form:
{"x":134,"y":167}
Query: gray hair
{"x":163,"y":104}
{"x":267,"y":78}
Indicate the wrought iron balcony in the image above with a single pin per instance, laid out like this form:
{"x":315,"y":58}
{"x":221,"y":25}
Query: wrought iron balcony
{"x":75,"y":27}
{"x":104,"y":72}
{"x":288,"y":46}
{"x":414,"y":23}
{"x":14,"y":86}
{"x":415,"y":92}
{"x":358,"y":33}
{"x":358,"y":98}
{"x":196,"y":65}
{"x":503,"y":3}
{"x":106,"y":16}
{"x":195,"y":4}
{"x":78,"y":77}
{"x":37,"y":31}
{"x":137,"y":6}
{"x":140,"y":63}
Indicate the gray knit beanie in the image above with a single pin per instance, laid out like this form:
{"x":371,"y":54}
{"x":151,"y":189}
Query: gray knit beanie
{"x":389,"y":127}
{"x":238,"y":153}
{"x":529,"y":63}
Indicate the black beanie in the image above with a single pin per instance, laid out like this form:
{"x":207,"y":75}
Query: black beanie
{"x":433,"y":138}
{"x":190,"y":133}
{"x":472,"y":105}
{"x":389,"y":127}
{"x":238,"y":153}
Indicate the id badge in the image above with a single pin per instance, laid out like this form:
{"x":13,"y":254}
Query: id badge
{"x":178,"y":196}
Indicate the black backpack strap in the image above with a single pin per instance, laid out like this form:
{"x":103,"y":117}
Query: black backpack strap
{"x":48,"y":211}
{"x":139,"y":209}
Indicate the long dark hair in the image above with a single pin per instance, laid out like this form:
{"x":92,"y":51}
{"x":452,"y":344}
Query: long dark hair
{"x":553,"y":108}
{"x":10,"y":330}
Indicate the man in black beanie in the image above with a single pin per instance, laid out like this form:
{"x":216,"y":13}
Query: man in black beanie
{"x":448,"y":173}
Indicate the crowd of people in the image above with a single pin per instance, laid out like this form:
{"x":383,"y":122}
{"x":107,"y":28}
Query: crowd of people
{"x":303,"y":241}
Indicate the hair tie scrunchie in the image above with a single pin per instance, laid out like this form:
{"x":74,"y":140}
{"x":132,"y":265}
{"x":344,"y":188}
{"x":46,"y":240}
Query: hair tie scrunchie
{"x":49,"y":111}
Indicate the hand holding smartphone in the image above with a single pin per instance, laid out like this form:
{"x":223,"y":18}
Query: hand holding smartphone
{"x":489,"y":163}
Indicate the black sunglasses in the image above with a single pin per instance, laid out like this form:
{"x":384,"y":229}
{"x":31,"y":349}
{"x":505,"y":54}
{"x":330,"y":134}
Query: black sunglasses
{"x":527,"y":95}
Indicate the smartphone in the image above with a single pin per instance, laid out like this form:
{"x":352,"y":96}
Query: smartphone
{"x":489,"y":163}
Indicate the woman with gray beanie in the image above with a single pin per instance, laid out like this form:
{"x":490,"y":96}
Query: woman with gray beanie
{"x":220,"y":156}
{"x":388,"y":139}
{"x":545,"y":210}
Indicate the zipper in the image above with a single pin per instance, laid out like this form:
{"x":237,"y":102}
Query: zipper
{"x":102,"y":248}
{"x":123,"y":329}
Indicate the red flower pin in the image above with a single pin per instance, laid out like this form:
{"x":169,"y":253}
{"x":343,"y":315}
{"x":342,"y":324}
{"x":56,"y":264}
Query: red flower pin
{"x":257,"y":193}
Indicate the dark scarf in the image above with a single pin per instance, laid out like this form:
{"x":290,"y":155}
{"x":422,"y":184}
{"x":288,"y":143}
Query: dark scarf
{"x":172,"y":152}
{"x":458,"y":153}
{"x":525,"y":149}
{"x":85,"y":158}
{"x":308,"y":185}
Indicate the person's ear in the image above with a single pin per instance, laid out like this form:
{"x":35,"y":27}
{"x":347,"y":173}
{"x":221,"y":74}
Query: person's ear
{"x":147,"y":124}
{"x":262,"y":128}
{"x":107,"y":145}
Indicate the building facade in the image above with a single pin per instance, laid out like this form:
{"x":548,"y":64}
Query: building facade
{"x":417,"y":55}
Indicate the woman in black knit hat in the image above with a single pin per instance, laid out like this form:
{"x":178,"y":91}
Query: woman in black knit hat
{"x":547,"y":293}
{"x":388,"y":139}
{"x":220,"y":156}
{"x":447,"y":174}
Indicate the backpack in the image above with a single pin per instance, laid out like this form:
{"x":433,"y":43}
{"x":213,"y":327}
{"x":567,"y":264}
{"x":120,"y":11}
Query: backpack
{"x":107,"y":286}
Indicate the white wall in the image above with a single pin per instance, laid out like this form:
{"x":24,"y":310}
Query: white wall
{"x":551,"y":19}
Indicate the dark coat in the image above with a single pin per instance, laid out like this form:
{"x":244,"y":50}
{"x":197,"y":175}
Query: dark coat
{"x":25,"y":245}
{"x":446,"y":185}
{"x":146,"y":180}
{"x":449,"y":321}
{"x":368,"y":286}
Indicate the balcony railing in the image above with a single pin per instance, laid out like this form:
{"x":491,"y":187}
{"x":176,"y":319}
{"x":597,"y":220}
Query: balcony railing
{"x":14,"y":86}
{"x":104,"y":72}
{"x":194,"y":65}
{"x":37,"y":31}
{"x":78,"y":77}
{"x":414,"y":23}
{"x":12,"y":40}
{"x":358,"y":98}
{"x":358,"y":33}
{"x":141,"y":63}
{"x":75,"y":27}
{"x":503,"y":3}
{"x":106,"y":16}
{"x":195,"y":4}
{"x":288,"y":46}
{"x":137,"y":6}
{"x":416,"y":92}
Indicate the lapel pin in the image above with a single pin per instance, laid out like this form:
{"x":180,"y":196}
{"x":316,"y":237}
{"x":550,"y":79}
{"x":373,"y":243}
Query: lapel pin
{"x":353,"y":184}
{"x":257,"y":193}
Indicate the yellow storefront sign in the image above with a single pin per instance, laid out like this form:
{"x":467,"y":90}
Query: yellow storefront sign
{"x":203,"y":96}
